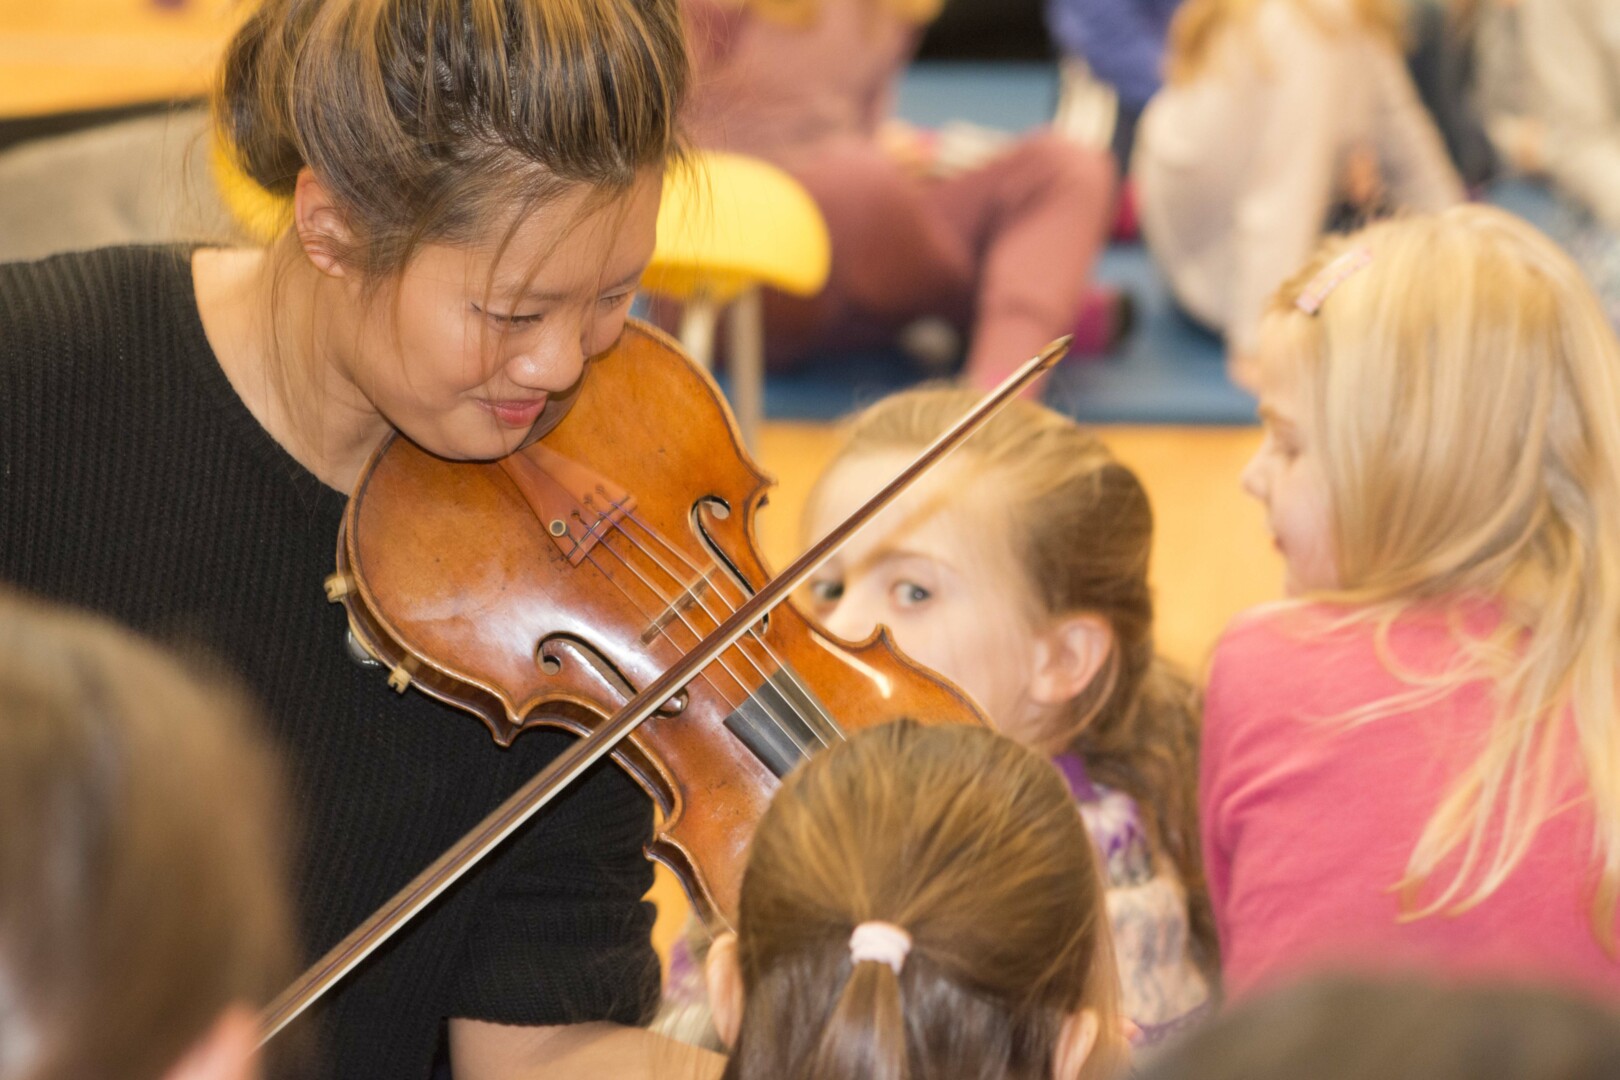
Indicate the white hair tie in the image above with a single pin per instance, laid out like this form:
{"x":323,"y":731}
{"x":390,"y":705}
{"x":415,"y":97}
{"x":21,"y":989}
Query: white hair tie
{"x":883,"y":942}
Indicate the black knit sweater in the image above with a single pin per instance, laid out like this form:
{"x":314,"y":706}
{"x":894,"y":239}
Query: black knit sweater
{"x":135,"y":483}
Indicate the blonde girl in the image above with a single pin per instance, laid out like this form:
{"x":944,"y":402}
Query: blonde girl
{"x":143,"y":891}
{"x":919,"y":902}
{"x":1275,"y":112}
{"x":1019,"y":571}
{"x":1417,"y":763}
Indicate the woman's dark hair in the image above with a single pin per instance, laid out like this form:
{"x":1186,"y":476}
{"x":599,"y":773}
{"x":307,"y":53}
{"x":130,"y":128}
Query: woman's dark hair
{"x":442,"y":121}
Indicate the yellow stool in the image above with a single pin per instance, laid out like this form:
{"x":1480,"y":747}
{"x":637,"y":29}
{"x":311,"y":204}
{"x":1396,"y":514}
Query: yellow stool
{"x":728,"y":226}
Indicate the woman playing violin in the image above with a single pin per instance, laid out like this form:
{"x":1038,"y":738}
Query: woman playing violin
{"x":473,"y":188}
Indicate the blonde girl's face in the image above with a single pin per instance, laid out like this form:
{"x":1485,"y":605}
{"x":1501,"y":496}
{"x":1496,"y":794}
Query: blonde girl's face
{"x":1286,"y":475}
{"x":937,"y":569}
{"x":465,"y":354}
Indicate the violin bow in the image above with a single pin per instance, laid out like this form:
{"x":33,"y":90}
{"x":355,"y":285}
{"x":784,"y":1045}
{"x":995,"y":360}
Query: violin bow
{"x":567,"y":767}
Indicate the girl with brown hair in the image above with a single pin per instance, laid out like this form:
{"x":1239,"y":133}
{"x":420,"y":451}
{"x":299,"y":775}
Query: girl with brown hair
{"x":919,"y":902}
{"x":473,"y":187}
{"x":143,"y":904}
{"x":1019,"y":571}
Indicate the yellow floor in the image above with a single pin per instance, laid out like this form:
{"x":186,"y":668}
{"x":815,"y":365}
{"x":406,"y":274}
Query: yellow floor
{"x":1212,"y":557}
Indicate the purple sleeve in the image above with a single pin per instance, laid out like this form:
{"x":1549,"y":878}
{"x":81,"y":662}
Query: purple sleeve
{"x":1122,"y":41}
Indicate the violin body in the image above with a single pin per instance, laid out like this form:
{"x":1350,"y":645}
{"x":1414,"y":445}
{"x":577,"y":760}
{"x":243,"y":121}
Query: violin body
{"x":546,"y":589}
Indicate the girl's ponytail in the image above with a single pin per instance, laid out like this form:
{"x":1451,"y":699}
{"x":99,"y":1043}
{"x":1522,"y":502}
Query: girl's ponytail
{"x":866,"y":1034}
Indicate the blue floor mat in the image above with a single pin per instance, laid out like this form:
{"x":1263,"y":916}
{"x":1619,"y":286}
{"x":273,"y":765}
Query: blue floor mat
{"x":1166,"y":372}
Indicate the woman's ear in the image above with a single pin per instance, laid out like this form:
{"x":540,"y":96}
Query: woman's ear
{"x":723,"y":977}
{"x":323,"y":231}
{"x":227,"y":1051}
{"x":1068,"y":655}
{"x":1076,"y":1040}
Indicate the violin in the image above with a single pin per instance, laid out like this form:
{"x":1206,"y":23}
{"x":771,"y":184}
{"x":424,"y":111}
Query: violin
{"x":605,"y":580}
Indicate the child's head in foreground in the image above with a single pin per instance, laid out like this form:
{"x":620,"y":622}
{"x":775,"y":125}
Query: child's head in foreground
{"x":142,"y":910}
{"x":1352,"y":1029}
{"x":1442,"y":402}
{"x":921,"y":902}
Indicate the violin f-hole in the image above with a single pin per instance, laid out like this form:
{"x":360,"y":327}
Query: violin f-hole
{"x":551,"y":656}
{"x":721,"y":510}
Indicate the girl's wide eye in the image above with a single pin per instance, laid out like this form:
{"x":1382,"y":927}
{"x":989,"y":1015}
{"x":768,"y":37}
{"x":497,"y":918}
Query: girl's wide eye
{"x":909,"y":594}
{"x":826,"y":592}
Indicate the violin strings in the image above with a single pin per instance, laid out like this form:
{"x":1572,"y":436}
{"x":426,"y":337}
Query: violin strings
{"x":697,"y":598}
{"x":715,"y":574}
{"x":704,"y":675}
{"x":830,"y":724}
{"x":697,"y":635}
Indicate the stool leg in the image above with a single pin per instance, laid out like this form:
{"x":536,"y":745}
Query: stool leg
{"x":746,"y":362}
{"x":698,"y":319}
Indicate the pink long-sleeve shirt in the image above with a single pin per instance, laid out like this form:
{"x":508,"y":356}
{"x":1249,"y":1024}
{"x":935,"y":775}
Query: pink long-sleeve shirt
{"x":1309,"y":818}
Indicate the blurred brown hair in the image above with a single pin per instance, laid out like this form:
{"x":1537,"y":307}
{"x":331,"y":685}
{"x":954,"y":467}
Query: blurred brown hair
{"x":142,"y":883}
{"x":1082,"y":528}
{"x":1355,"y":1028}
{"x":971,"y":843}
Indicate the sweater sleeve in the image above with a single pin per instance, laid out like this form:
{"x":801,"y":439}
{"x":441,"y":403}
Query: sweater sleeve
{"x":1121,"y":40}
{"x":1280,"y":213}
{"x":1575,"y":94}
{"x":563,"y":935}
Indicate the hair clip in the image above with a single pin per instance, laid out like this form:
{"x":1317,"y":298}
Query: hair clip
{"x":1330,"y":277}
{"x":883,"y":942}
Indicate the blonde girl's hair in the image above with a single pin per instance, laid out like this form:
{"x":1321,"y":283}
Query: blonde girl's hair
{"x":142,"y":877}
{"x":1199,"y":25}
{"x":804,"y":13}
{"x":1465,"y":391}
{"x":971,"y":844}
{"x":1081,"y":530}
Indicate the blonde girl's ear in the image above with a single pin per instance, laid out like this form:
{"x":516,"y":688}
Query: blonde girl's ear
{"x":1076,"y":1040}
{"x":323,"y":231}
{"x":1068,"y":655}
{"x":723,"y":977}
{"x":229,"y":1050}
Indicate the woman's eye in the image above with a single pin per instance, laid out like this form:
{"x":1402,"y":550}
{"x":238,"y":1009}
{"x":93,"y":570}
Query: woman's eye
{"x":508,"y":320}
{"x":908,"y":594}
{"x":608,"y":303}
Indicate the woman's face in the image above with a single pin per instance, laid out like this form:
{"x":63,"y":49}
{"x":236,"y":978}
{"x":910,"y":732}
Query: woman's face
{"x":1287,"y":476}
{"x":937,"y":568}
{"x":464,"y":352}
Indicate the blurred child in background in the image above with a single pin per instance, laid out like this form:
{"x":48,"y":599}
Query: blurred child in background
{"x":143,"y":912}
{"x":1002,"y":244}
{"x":1276,"y":113}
